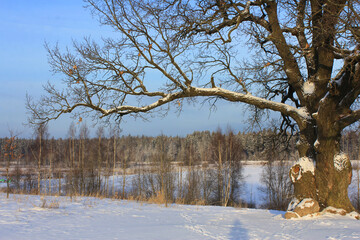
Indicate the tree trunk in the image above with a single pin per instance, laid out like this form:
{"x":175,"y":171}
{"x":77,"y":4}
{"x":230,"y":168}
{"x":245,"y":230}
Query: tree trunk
{"x":323,"y":172}
{"x":124,"y":176}
{"x":333,"y":175}
{"x":50,"y":168}
{"x":7,"y":176}
{"x":114,"y":165}
{"x":39,"y":163}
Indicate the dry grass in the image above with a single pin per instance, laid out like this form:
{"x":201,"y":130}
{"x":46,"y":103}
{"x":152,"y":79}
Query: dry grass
{"x":180,"y":201}
{"x":52,"y":201}
{"x":158,"y":198}
{"x":52,"y":204}
{"x":201,"y":202}
{"x":90,"y":203}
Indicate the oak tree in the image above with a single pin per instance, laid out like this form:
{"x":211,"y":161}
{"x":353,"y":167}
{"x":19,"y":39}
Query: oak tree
{"x":304,"y":65}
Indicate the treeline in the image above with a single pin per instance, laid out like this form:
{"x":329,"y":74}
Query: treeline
{"x":201,"y":168}
{"x":253,"y":146}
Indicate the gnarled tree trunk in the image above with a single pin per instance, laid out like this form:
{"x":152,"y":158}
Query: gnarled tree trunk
{"x":323,"y":172}
{"x":325,"y":176}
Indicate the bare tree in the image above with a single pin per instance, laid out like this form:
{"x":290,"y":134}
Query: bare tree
{"x":51,"y":160}
{"x":9,"y":153}
{"x":226,"y":153}
{"x":39,"y":150}
{"x":276,"y":185}
{"x":71,"y":164}
{"x":193,"y":44}
{"x":115,"y":135}
{"x":100,"y":134}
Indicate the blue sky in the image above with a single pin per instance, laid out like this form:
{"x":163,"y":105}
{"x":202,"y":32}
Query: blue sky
{"x":26,"y":25}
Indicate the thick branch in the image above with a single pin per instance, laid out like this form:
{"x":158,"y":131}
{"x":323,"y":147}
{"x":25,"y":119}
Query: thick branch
{"x":299,"y":115}
{"x":291,"y":67}
{"x":349,"y":119}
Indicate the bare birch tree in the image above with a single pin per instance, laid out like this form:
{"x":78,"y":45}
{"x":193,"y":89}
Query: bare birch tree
{"x":41,"y":133}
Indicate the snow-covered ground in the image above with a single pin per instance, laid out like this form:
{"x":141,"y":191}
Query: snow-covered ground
{"x":252,"y":175}
{"x":23,"y":217}
{"x":91,"y":218}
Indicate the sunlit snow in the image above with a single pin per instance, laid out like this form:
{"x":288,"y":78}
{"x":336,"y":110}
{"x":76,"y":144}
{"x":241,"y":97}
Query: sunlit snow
{"x":92,"y":218}
{"x":306,"y":165}
{"x":309,"y":88}
{"x":23,"y":217}
{"x":340,"y":161}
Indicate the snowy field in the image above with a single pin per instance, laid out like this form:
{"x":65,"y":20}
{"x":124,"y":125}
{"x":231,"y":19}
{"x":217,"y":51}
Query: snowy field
{"x":25,"y":217}
{"x":91,"y":218}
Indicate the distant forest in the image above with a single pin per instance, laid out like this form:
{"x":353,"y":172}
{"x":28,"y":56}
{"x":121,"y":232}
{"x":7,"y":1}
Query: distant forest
{"x":263,"y":145}
{"x":257,"y":146}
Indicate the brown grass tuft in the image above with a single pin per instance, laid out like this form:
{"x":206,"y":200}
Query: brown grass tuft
{"x":49,"y":204}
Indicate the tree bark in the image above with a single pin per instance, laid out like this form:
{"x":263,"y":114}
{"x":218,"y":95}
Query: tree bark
{"x":333,"y":175}
{"x":328,"y":180}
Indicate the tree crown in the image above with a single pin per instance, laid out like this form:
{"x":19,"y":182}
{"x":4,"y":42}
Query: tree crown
{"x":190,"y":48}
